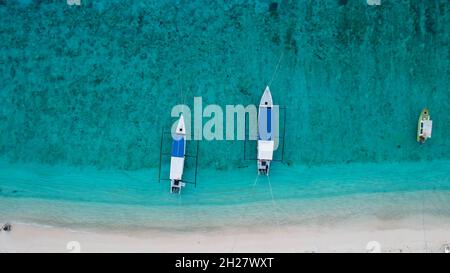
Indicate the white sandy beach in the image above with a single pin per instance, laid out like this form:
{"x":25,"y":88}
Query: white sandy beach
{"x":406,"y":235}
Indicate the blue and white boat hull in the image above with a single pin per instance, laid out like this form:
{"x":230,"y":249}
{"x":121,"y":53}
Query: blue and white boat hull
{"x":178,"y":157}
{"x":266,"y":142}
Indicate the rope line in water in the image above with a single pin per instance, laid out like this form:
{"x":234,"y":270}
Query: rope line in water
{"x":245,"y":211}
{"x":276,"y":69}
{"x":274,"y":204}
{"x":181,"y":92}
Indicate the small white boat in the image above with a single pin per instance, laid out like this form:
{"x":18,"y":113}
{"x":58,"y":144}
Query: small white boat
{"x":424,"y":126}
{"x":265,"y":134}
{"x":177,"y":157}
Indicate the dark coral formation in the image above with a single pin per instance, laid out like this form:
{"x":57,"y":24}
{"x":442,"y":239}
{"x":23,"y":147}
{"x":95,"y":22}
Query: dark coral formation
{"x":94,"y":84}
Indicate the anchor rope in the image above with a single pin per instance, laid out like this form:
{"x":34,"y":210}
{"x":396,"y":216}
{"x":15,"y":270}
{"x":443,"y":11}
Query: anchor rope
{"x":276,"y":69}
{"x":182,"y":95}
{"x":274,"y":204}
{"x":245,"y":211}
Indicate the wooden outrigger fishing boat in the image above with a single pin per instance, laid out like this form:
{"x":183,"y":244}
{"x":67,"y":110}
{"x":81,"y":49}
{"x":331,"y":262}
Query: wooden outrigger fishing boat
{"x":266,"y":142}
{"x":177,"y":158}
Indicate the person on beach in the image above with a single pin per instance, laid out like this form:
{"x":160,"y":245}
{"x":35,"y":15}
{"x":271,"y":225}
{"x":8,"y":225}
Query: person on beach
{"x":7,"y":227}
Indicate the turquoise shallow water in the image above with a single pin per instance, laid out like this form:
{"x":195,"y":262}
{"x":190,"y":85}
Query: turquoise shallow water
{"x":92,"y":85}
{"x":85,"y":91}
{"x":88,"y":198}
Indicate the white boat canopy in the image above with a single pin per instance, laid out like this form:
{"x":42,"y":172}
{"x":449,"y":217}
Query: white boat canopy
{"x":427,"y":128}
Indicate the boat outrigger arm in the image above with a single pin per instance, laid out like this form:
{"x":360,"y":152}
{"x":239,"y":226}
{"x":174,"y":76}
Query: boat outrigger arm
{"x":265,"y":136}
{"x":177,"y":157}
